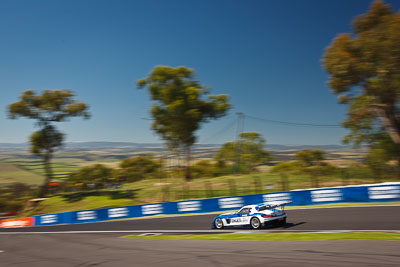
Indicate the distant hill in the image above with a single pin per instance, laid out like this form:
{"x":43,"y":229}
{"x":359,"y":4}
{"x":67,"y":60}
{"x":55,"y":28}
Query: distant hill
{"x":98,"y":145}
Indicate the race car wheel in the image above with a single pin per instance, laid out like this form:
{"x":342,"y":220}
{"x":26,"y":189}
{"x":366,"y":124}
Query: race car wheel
{"x":218,"y":223}
{"x":255,"y":223}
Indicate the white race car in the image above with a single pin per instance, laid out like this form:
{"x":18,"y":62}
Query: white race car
{"x":255,"y":216}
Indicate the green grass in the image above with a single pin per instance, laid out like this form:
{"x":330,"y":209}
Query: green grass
{"x":279,"y":236}
{"x":10,"y":173}
{"x":59,"y":204}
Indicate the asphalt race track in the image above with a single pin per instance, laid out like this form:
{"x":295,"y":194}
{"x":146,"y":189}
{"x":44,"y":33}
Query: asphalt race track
{"x":51,"y":247}
{"x":349,"y":218}
{"x":73,"y":250}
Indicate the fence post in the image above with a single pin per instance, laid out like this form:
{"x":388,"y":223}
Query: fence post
{"x":165,"y":193}
{"x":257,"y":184}
{"x":344,"y":177}
{"x":232,"y":187}
{"x":284,"y":182}
{"x":208,"y":188}
{"x":186,"y":189}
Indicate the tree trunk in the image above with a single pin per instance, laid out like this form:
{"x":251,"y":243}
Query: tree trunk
{"x":47,"y":168}
{"x":389,"y":123}
{"x":187,"y":167}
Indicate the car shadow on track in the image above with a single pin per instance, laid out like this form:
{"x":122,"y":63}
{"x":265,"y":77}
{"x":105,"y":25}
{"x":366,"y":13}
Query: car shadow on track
{"x":286,"y":226}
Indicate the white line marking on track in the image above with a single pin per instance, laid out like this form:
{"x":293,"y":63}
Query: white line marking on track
{"x":1,"y":251}
{"x":198,"y":231}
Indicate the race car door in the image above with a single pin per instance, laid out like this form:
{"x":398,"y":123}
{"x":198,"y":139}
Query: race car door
{"x":241,"y":217}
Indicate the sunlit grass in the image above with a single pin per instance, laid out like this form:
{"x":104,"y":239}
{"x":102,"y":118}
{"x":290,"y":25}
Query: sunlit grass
{"x":279,"y":236}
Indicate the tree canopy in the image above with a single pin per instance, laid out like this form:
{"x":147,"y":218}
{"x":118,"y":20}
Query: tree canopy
{"x":180,"y":105}
{"x":47,"y":108}
{"x":138,"y":168}
{"x":248,"y":152}
{"x":308,"y":158}
{"x":96,"y":174}
{"x":364,"y":69}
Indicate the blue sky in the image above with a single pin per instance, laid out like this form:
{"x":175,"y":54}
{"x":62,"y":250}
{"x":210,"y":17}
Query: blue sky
{"x":265,"y":54}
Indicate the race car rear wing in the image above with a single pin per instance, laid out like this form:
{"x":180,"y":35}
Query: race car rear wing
{"x":272,"y":205}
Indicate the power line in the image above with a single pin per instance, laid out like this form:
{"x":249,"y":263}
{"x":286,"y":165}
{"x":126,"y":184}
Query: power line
{"x":221,"y":131}
{"x":295,"y":123}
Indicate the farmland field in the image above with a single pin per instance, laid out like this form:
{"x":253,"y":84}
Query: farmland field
{"x":10,"y":173}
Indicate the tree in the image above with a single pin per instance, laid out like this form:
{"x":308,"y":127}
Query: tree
{"x":180,"y":106}
{"x":309,"y":158}
{"x":138,"y":168}
{"x":364,"y":70}
{"x":47,"y":108}
{"x":248,"y":152}
{"x":96,"y":174}
{"x":376,"y":160}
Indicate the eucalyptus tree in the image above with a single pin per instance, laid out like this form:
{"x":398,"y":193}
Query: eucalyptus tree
{"x":364,"y":69}
{"x":46,"y":109}
{"x":180,"y":105}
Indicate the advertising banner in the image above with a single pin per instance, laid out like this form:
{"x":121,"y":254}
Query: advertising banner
{"x":12,"y":223}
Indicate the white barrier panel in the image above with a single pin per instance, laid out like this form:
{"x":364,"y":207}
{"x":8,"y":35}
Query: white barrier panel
{"x":231,"y":202}
{"x":277,"y":197}
{"x":384,"y":192}
{"x":329,"y":195}
{"x":117,"y":212}
{"x":189,"y":206}
{"x":152,"y":209}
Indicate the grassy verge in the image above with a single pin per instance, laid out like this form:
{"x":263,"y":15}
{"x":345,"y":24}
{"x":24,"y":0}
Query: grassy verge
{"x":279,"y":237}
{"x":58,"y":204}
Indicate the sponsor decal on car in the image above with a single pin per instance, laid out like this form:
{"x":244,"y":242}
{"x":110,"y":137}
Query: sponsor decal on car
{"x":22,"y":222}
{"x":384,"y":192}
{"x":328,"y":195}
{"x":117,"y":212}
{"x":189,"y":206}
{"x":152,"y":209}
{"x":230,"y":202}
{"x":236,"y":220}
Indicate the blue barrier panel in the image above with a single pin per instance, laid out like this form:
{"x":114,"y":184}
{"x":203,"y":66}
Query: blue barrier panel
{"x":278,"y":196}
{"x":135,"y":211}
{"x":364,"y":193}
{"x":253,"y":199}
{"x":53,"y":219}
{"x":209,"y":205}
{"x":230,"y":203}
{"x":49,"y":219}
{"x":355,"y":194}
{"x":190,"y":206}
{"x":170,"y":208}
{"x":117,"y":213}
{"x":301,"y":197}
{"x":326,"y":196}
{"x":85,"y":216}
{"x":384,"y":193}
{"x":152,"y":209}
